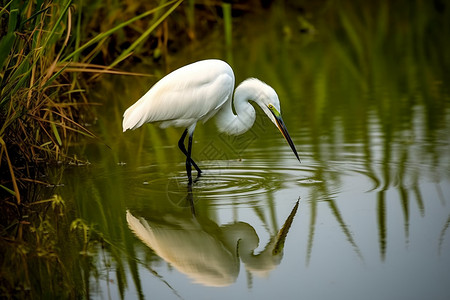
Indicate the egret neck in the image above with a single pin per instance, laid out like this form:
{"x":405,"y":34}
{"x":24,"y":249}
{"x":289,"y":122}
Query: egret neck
{"x":235,"y":124}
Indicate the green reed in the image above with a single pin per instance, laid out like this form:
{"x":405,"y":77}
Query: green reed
{"x":43,"y":102}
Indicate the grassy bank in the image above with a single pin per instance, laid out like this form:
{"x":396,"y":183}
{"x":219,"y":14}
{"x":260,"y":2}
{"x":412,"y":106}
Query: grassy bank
{"x":48,"y":50}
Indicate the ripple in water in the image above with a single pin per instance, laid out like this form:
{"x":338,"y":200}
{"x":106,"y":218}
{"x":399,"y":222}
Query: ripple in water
{"x":253,"y":177}
{"x":233,"y":182}
{"x":309,"y":181}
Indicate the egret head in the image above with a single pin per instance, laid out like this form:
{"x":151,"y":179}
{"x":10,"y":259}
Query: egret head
{"x":270,"y":104}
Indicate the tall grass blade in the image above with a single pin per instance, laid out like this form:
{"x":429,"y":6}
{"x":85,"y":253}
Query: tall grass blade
{"x":8,"y":190}
{"x":5,"y":7}
{"x":228,"y":27}
{"x":7,"y":41}
{"x":11,"y":169}
{"x":6,"y":44}
{"x":57,"y":24}
{"x":106,"y":34}
{"x":55,"y":131}
{"x":144,"y":35}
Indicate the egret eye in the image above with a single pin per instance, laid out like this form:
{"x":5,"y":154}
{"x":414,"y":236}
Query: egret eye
{"x":270,"y":106}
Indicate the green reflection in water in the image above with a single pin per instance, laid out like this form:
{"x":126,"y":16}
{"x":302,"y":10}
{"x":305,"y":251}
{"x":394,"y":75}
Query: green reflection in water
{"x":364,"y":98}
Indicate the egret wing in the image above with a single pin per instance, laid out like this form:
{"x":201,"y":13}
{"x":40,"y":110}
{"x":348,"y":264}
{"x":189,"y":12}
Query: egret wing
{"x":194,"y":92}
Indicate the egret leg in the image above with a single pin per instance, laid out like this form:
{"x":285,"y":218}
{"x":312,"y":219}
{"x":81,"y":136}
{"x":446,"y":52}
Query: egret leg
{"x":190,"y":199}
{"x":183,"y":149}
{"x":189,"y":160}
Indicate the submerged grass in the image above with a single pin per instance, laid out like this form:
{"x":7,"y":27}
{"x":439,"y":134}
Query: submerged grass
{"x":38,"y":262}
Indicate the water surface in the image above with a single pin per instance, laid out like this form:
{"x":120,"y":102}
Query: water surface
{"x":366,"y":214}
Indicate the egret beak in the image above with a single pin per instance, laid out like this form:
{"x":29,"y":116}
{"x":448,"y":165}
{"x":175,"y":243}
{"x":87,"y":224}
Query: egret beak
{"x":282,"y":234}
{"x":283,"y":129}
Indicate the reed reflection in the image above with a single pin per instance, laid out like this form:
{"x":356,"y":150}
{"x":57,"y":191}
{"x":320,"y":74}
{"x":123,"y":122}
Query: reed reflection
{"x":209,"y":253}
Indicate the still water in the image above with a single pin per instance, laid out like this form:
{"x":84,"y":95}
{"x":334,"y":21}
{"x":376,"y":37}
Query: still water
{"x":365,"y":215}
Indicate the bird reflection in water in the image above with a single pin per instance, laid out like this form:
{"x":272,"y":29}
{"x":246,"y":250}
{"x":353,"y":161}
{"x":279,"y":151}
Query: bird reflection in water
{"x":206,"y":252}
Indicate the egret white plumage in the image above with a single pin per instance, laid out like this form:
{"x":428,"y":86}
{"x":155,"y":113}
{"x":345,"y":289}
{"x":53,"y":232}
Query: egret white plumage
{"x":198,"y":91}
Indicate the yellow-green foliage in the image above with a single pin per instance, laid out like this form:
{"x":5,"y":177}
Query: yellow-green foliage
{"x":44,"y":45}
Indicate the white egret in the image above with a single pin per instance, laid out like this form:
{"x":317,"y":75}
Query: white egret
{"x":198,"y":91}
